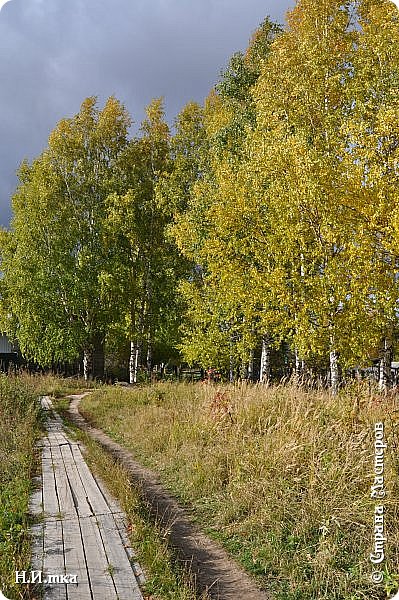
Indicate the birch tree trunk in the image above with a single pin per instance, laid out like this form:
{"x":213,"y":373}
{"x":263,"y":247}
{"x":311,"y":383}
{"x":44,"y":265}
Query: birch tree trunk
{"x":297,"y":363}
{"x":385,"y":378}
{"x":334,"y":372}
{"x":133,"y":361}
{"x":86,"y":363}
{"x":93,"y":358}
{"x":300,"y":365}
{"x":264,"y":373}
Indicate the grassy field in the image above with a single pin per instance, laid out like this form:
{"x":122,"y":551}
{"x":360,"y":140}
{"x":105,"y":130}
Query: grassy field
{"x":19,"y":429}
{"x":279,"y":475}
{"x":57,"y":387}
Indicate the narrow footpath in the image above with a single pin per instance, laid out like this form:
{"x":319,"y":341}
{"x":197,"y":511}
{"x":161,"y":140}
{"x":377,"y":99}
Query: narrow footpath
{"x":80,"y":546}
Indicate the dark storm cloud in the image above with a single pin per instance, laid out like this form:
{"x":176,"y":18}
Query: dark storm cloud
{"x":55,"y":53}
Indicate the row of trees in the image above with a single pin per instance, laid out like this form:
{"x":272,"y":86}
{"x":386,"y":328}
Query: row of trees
{"x":269,"y":219}
{"x":86,"y":258}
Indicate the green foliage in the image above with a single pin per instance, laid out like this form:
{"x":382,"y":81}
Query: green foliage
{"x":52,"y":256}
{"x":270,"y":212}
{"x":142,"y":267}
{"x":213,"y":231}
{"x":86,"y":255}
{"x":293,"y":220}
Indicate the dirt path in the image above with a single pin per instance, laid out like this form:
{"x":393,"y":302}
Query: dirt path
{"x":214,"y":570}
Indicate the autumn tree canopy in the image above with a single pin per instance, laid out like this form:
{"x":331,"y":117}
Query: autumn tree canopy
{"x":262,"y":227}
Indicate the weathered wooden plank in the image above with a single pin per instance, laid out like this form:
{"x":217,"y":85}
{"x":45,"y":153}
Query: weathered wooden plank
{"x":75,"y":561}
{"x":121,"y":524}
{"x":37,"y":546}
{"x":37,"y":530}
{"x":58,"y":439}
{"x":93,"y":492}
{"x":53,"y":559}
{"x":50,"y":500}
{"x":46,"y":451}
{"x":36,"y":499}
{"x":113,"y":504}
{"x":101,"y":583}
{"x":65,"y":497}
{"x":72,"y":541}
{"x":46,"y":402}
{"x":83,"y":508}
{"x":122,"y":572}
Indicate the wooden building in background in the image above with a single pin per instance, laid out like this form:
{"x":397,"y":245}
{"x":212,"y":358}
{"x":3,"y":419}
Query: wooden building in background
{"x":9,"y":354}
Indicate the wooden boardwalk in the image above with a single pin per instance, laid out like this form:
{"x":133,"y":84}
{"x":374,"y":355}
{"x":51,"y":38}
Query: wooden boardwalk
{"x":81,"y":531}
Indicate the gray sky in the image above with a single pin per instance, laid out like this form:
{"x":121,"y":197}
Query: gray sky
{"x":55,"y":53}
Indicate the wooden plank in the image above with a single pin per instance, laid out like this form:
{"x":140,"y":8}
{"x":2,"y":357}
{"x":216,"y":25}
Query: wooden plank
{"x":66,"y":501}
{"x":78,"y":491}
{"x":53,"y":559}
{"x":59,"y":439}
{"x":121,"y":524}
{"x":37,"y":546}
{"x":101,"y":583}
{"x":46,"y":403}
{"x":93,"y":492}
{"x":37,"y":530}
{"x":113,"y":504}
{"x":72,"y":540}
{"x":122,"y":572}
{"x":36,"y":499}
{"x":75,"y":561}
{"x":50,"y":500}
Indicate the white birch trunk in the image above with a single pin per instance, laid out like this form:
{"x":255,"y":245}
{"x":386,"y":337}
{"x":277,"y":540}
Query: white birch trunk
{"x":149,"y":358}
{"x":384,"y":380}
{"x":133,"y":362}
{"x":264,"y":374}
{"x":334,"y":372}
{"x":86,"y":364}
{"x":297,"y":363}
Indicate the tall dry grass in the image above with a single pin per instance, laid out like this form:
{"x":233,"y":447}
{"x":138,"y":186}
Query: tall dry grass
{"x":280,"y":475}
{"x":52,"y":385}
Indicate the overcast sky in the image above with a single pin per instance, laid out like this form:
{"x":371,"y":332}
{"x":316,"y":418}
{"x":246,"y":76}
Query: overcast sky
{"x":55,"y":53}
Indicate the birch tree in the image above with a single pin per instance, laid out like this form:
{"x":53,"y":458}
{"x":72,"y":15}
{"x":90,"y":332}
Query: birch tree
{"x":222,"y":315}
{"x":302,"y":102}
{"x":372,"y":170}
{"x":54,"y":257}
{"x":141,"y":275}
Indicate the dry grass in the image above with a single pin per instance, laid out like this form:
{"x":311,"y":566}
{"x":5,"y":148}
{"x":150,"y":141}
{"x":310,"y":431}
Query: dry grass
{"x":54,"y":386}
{"x":165,"y":578}
{"x":280,"y":475}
